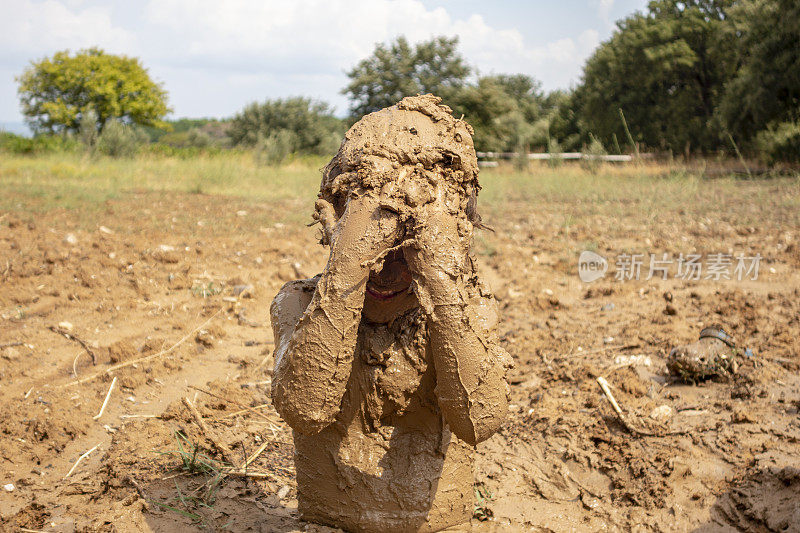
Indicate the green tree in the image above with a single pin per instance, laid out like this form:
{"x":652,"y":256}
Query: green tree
{"x":666,"y":70}
{"x":310,"y":125}
{"x":507,"y":112}
{"x":766,"y":89}
{"x":399,"y":69}
{"x":564,"y":128}
{"x":483,"y":105}
{"x":56,"y":92}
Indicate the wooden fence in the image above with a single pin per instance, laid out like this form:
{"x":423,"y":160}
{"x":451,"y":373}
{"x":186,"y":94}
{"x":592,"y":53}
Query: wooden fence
{"x":539,"y":156}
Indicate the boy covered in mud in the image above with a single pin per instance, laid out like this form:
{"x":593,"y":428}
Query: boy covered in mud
{"x":387,"y":366}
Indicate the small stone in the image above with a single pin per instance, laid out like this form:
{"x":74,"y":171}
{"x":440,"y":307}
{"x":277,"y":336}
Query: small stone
{"x":166,"y":248}
{"x":241,"y":213}
{"x":741,"y":415}
{"x":66,"y":326}
{"x":607,"y":307}
{"x":633,"y":360}
{"x":283,"y":492}
{"x":668,"y":296}
{"x":10,"y":353}
{"x":243,"y":291}
{"x":670,"y":310}
{"x":608,"y":340}
{"x":105,"y":230}
{"x":661,"y":413}
{"x":9,"y":487}
{"x":71,"y":239}
{"x":548,"y":292}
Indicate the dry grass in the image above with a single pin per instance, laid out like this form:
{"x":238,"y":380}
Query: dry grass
{"x":657,"y":193}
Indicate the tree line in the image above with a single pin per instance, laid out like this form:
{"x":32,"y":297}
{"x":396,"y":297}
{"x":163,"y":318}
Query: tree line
{"x":685,"y":77}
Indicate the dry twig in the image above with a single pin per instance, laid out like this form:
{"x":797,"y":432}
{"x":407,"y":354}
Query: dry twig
{"x":624,"y":420}
{"x":10,"y":345}
{"x":142,"y":359}
{"x":256,"y":475}
{"x":249,"y":409}
{"x":73,"y":337}
{"x":253,"y":457}
{"x":234,"y":402}
{"x":81,"y":458}
{"x":105,"y":402}
{"x":207,"y":432}
{"x":75,"y":365}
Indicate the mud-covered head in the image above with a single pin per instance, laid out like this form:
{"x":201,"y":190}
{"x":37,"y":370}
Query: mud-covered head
{"x":414,"y":152}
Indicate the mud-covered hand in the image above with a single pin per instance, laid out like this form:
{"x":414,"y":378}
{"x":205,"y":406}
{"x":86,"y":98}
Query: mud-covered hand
{"x":362,"y":233}
{"x":317,"y":353}
{"x":469,"y":374}
{"x":438,"y":256}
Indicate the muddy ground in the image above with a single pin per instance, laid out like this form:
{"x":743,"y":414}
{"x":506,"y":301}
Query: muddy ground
{"x":171,"y":295}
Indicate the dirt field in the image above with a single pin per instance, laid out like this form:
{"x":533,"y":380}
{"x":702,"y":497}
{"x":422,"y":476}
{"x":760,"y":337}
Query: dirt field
{"x":170,"y":291}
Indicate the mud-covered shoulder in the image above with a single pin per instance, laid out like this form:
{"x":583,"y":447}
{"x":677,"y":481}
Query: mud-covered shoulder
{"x":290,"y":303}
{"x":300,"y":285}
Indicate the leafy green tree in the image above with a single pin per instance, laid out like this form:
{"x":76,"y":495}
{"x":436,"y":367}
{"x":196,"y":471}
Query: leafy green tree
{"x":525,"y":92}
{"x":310,"y":125}
{"x":483,"y":105}
{"x":564,"y":129}
{"x":508,"y":112}
{"x":666,"y":70}
{"x":400,"y":69}
{"x":56,"y":92}
{"x":766,"y":89}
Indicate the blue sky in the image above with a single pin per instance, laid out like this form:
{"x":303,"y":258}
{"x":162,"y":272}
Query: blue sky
{"x":216,"y":56}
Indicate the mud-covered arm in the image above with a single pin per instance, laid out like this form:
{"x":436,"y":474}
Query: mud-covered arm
{"x":470,"y":364}
{"x":313,"y":358}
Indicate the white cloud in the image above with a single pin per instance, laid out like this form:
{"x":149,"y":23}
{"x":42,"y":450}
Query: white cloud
{"x":329,"y":36}
{"x":604,"y":11}
{"x":214,"y":56}
{"x":42,"y":27}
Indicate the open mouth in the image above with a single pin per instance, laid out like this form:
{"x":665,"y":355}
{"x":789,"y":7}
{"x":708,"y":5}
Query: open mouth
{"x":393,"y":280}
{"x":380,"y":293}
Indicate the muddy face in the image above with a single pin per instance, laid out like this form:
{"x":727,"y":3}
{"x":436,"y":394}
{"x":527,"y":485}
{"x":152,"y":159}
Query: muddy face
{"x":389,"y":292}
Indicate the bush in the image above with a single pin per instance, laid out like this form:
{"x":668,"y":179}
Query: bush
{"x":120,"y":140}
{"x":194,"y":138}
{"x":591,"y":155}
{"x":311,"y":124}
{"x":275,"y":148}
{"x":780,"y":144}
{"x":87,"y":129}
{"x":40,"y":144}
{"x":555,"y":151}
